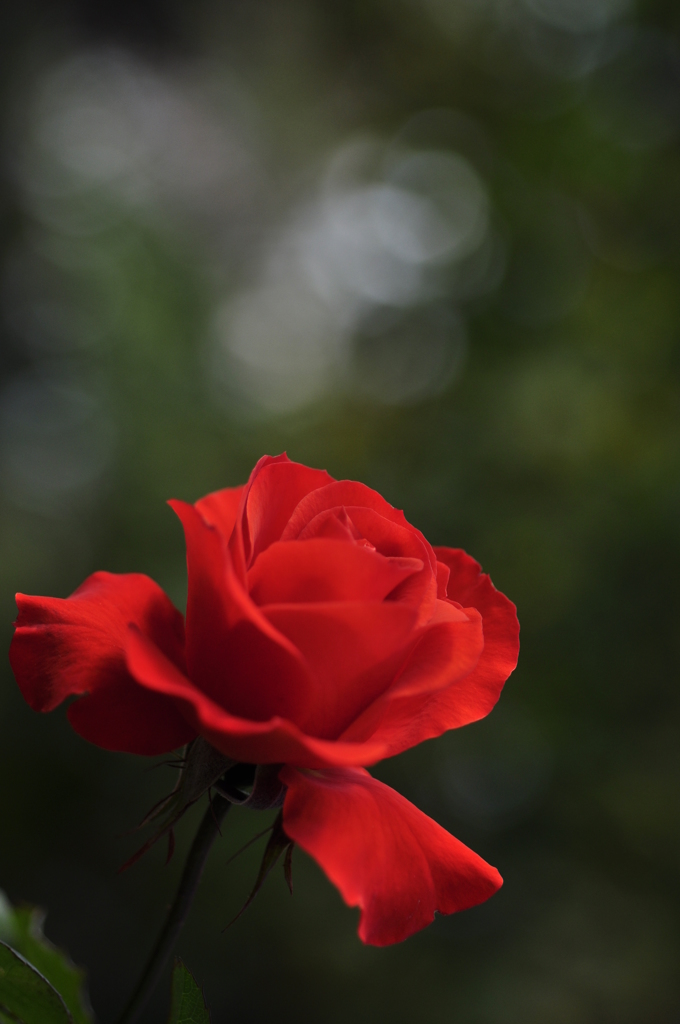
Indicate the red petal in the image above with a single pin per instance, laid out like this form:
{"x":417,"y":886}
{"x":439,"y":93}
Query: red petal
{"x":336,"y":494}
{"x":350,"y":494}
{"x":389,"y":534}
{"x":384,"y":855}
{"x":333,"y":524}
{"x":234,"y":654}
{"x":443,"y":573}
{"x":353,"y":650}
{"x":221,"y":508}
{"x":445,"y":654}
{"x":270,"y":742}
{"x":392,"y":540}
{"x":408,"y":722}
{"x":239,"y":543}
{"x":466,"y":583}
{"x":325,"y":570}
{"x":276,"y":487}
{"x":63,"y":647}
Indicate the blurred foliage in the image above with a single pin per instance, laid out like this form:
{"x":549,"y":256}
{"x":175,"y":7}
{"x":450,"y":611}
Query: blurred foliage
{"x":191,"y":277}
{"x":26,"y":995}
{"x":21,"y":928}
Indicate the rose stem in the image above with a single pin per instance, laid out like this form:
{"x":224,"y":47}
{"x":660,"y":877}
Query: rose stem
{"x":208,"y":831}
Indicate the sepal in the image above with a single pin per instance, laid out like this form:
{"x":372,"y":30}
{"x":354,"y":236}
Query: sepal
{"x":279,"y":843}
{"x":199,"y":769}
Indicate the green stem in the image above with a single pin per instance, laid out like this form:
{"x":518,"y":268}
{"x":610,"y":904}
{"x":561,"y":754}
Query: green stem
{"x":208,"y":831}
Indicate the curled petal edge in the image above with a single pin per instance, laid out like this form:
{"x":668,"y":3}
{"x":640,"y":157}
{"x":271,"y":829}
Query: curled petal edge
{"x":446,"y":654}
{"x":407,"y":722}
{"x":273,"y":741}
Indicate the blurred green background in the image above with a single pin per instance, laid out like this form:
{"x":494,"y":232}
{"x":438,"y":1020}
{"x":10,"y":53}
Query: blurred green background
{"x":428,"y":244}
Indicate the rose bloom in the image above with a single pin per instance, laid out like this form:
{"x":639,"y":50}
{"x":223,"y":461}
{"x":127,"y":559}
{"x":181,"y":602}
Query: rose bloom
{"x":323,"y":633}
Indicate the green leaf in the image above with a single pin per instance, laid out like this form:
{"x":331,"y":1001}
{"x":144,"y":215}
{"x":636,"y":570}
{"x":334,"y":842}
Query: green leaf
{"x":188,"y":1005}
{"x":21,"y":928}
{"x":25,"y":994}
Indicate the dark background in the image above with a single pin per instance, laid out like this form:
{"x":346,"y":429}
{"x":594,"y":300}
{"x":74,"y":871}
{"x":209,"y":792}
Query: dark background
{"x":428,"y":244}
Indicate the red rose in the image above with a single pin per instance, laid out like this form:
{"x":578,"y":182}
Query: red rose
{"x":323,"y":633}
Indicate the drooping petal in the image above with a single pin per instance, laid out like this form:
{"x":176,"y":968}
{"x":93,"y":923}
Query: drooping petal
{"x":234,"y":653}
{"x":276,"y":487}
{"x":383,"y":854}
{"x":325,"y":570}
{"x":272,"y":742}
{"x":220,"y":509}
{"x":353,"y":650}
{"x":407,"y":722}
{"x":74,"y":646}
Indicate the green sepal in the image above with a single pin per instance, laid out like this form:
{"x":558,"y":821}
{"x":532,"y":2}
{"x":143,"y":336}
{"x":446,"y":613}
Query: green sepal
{"x":278,"y":843}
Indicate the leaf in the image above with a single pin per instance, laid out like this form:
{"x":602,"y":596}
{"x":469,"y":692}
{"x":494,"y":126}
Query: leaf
{"x":25,"y":994}
{"x":187,"y":1004}
{"x":21,"y":928}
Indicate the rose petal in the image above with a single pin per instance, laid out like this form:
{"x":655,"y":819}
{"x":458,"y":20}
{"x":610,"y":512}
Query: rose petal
{"x":234,"y":654}
{"x":336,"y":494}
{"x":408,"y":722}
{"x":64,"y":647}
{"x":390,"y":538}
{"x":383,"y":854}
{"x":393,"y":540}
{"x":353,"y":650}
{"x":221,"y":508}
{"x":122,"y":716}
{"x":239,"y":543}
{"x":443,"y":573}
{"x":333,"y":524}
{"x":276,"y":487}
{"x":445,"y":654}
{"x":273,"y":742}
{"x":325,"y":570}
{"x":350,"y":494}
